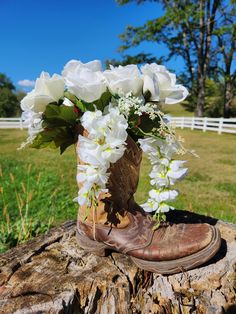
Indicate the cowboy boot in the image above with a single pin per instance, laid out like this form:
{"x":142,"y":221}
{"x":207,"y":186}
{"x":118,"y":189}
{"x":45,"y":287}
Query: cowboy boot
{"x":119,"y":224}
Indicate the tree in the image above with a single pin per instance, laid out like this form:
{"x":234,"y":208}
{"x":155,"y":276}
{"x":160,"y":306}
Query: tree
{"x":9,"y":104}
{"x":140,"y":58}
{"x":226,"y":36}
{"x":186,"y":28}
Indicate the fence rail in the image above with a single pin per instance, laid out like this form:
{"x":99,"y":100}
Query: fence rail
{"x":12,"y":123}
{"x":220,"y":125}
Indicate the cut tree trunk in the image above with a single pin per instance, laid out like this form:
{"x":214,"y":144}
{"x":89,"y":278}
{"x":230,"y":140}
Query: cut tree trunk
{"x":51,"y":274}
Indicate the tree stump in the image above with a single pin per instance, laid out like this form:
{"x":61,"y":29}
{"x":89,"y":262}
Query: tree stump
{"x":51,"y":274}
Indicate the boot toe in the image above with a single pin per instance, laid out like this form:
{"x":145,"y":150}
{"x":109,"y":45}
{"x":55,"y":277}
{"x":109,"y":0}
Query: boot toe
{"x":177,"y":241}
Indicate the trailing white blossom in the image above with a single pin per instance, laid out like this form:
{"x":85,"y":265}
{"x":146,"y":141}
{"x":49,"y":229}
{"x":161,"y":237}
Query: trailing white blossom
{"x":104,"y":144}
{"x":165,"y":172}
{"x":34,"y":122}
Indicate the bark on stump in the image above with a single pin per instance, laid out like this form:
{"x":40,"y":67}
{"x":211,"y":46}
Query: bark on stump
{"x":51,"y":274}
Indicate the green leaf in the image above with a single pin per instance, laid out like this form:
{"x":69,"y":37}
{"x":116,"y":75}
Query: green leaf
{"x":147,"y":95}
{"x":59,"y":116}
{"x":100,"y":104}
{"x":146,"y":124}
{"x":61,"y":137}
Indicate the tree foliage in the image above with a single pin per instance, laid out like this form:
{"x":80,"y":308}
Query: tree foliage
{"x":188,"y":29}
{"x":9,"y":104}
{"x":226,"y":39}
{"x":140,"y":58}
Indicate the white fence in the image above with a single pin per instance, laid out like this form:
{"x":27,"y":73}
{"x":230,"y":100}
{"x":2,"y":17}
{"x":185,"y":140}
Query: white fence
{"x":219,"y":125}
{"x":12,"y":123}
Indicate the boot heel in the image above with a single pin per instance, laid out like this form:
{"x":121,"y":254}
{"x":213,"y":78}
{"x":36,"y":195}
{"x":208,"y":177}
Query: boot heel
{"x":91,"y":246}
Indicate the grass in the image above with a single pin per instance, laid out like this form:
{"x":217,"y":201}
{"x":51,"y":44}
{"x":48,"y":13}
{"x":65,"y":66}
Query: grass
{"x":37,"y":187}
{"x":177,"y":110}
{"x":210,"y":186}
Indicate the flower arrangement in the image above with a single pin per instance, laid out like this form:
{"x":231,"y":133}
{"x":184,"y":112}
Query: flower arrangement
{"x":109,"y":105}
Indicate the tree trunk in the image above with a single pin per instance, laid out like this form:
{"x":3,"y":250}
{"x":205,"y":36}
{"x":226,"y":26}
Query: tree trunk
{"x":51,"y":274}
{"x":200,"y":97}
{"x":227,"y":98}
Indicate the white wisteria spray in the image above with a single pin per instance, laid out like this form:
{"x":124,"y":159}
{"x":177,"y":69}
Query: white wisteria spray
{"x":103,"y":145}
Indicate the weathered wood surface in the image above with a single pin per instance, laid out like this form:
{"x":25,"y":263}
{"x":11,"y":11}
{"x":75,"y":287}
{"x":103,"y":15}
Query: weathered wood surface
{"x":51,"y":274}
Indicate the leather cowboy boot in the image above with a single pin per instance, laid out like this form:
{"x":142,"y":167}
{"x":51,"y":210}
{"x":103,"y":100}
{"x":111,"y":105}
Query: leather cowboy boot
{"x":119,"y":224}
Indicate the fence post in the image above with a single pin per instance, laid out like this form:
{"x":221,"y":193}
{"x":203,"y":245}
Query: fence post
{"x":193,"y":122}
{"x":21,"y":123}
{"x":182,"y":123}
{"x":220,"y":125}
{"x":205,"y":124}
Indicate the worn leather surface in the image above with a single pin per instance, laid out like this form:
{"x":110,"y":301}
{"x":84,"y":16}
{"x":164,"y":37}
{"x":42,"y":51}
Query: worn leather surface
{"x":139,"y":240}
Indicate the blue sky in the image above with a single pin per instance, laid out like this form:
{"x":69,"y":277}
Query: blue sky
{"x":43,"y":35}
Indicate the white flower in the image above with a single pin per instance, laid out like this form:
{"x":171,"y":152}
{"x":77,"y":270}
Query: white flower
{"x":34,"y":122}
{"x":90,"y":152}
{"x":47,"y":89}
{"x":115,"y":133}
{"x":71,"y":67}
{"x":67,"y":102}
{"x":92,"y":175}
{"x":176,"y":171}
{"x":83,"y":195}
{"x":162,"y":84}
{"x":164,"y":208}
{"x":159,"y":178}
{"x":149,"y":145}
{"x":104,"y":144}
{"x":127,"y":101}
{"x":124,"y":79}
{"x":86,"y":81}
{"x":163,"y":195}
{"x":150,"y":206}
{"x":112,"y":154}
{"x":165,"y":172}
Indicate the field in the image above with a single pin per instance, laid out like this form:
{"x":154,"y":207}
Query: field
{"x":37,"y":187}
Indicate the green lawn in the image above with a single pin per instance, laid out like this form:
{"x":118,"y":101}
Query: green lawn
{"x":40,"y":184}
{"x":177,"y":110}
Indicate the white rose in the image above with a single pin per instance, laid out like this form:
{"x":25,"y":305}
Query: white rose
{"x":162,"y":84}
{"x":85,"y":80}
{"x":47,"y":89}
{"x":124,"y":79}
{"x":72,"y":66}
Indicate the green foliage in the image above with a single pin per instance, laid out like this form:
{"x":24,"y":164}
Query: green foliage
{"x":5,"y":82}
{"x":18,"y":232}
{"x":31,"y":201}
{"x":8,"y":103}
{"x":190,"y":30}
{"x":140,"y":59}
{"x":101,"y":103}
{"x":61,"y":124}
{"x":60,"y":128}
{"x":8,"y":100}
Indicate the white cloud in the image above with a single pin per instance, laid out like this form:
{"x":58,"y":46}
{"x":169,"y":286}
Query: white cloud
{"x":26,"y":83}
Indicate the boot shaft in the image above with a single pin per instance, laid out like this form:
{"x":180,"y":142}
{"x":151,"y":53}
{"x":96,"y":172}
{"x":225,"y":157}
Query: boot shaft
{"x":122,"y":184}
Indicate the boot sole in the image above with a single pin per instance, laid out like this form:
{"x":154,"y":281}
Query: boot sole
{"x":161,"y":267}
